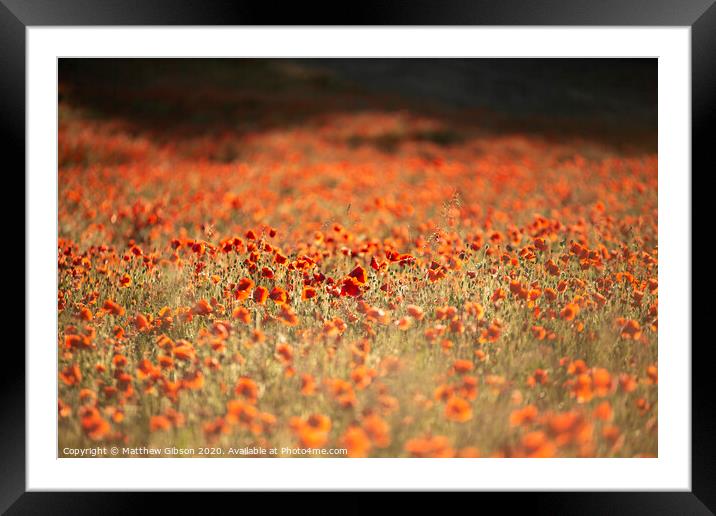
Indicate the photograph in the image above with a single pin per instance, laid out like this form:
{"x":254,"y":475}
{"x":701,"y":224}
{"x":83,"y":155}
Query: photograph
{"x":357,"y":258}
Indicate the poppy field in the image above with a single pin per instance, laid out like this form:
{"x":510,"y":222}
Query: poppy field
{"x":314,"y":267}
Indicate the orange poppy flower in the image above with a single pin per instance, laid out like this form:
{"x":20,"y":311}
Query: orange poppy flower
{"x":239,"y":412}
{"x":377,"y":429}
{"x":552,"y":268}
{"x":212,"y":429}
{"x":627,"y":383}
{"x":643,"y":405}
{"x":599,"y":299}
{"x":602,"y":381}
{"x":458,"y":409}
{"x":582,"y":388}
{"x":193,"y":381}
{"x":356,"y":441}
{"x":313,"y":431}
{"x":525,"y":415}
{"x":362,"y":376}
{"x":308,"y":293}
{"x":475,"y":309}
{"x":359,"y":274}
{"x":71,"y":375}
{"x":469,"y":452}
{"x":432,"y":446}
{"x":462,"y":366}
{"x":64,"y":410}
{"x":141,"y":322}
{"x":112,"y":307}
{"x":184,"y":351}
{"x":563,"y":422}
{"x":146,"y":370}
{"x":603,"y":411}
{"x":540,"y":376}
{"x":260,"y":295}
{"x":285,"y":353}
{"x":468,"y":388}
{"x":540,"y":243}
{"x":498,"y":295}
{"x":94,"y":425}
{"x":491,"y":333}
{"x":159,"y":423}
{"x":415,"y":312}
{"x":202,"y":307}
{"x":308,"y":385}
{"x":243,"y":289}
{"x":569,"y":312}
{"x":242,"y":314}
{"x":119,"y":361}
{"x":86,"y":314}
{"x":350,"y":287}
{"x":279,"y":296}
{"x":376,"y":265}
{"x":611,"y":433}
{"x":537,"y":445}
{"x":443,"y":392}
{"x":125,"y":281}
{"x":539,"y":332}
{"x":577,"y":367}
{"x":550,"y":294}
{"x":247,"y":389}
{"x":404,"y":323}
{"x":631,"y":329}
{"x":72,"y":341}
{"x":164,"y":342}
{"x":436,"y":274}
{"x":288,"y":316}
{"x":518,"y":289}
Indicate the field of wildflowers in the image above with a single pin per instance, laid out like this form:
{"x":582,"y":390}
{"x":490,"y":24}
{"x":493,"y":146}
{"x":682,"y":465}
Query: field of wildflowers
{"x":321,"y":269}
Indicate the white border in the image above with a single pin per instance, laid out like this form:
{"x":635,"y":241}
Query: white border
{"x":671,"y":470}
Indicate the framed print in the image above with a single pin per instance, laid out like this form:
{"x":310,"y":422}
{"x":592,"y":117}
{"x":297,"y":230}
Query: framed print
{"x":439,"y":248}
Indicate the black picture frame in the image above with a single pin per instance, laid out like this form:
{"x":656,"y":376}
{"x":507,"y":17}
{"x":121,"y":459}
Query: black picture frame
{"x":17,"y":15}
